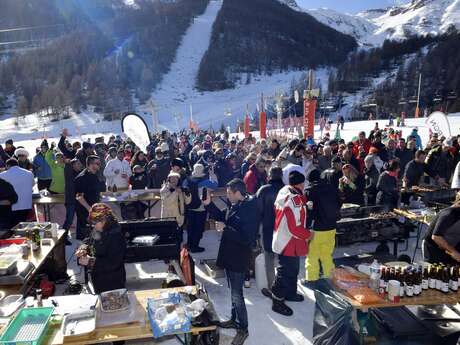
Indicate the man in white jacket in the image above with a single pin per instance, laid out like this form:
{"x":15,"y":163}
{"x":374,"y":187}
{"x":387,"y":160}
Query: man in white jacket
{"x":117,"y":172}
{"x":23,"y":182}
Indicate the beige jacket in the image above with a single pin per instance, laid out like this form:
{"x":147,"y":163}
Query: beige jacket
{"x":173,"y":204}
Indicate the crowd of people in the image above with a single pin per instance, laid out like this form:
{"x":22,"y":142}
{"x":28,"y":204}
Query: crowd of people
{"x":292,"y":188}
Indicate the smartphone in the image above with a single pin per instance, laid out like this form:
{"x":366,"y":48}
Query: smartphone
{"x":204,"y":194}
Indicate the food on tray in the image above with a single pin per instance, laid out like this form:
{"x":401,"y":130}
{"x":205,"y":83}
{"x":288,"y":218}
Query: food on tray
{"x":364,"y":295}
{"x":383,"y":215}
{"x":347,"y":277}
{"x":115,"y":300}
{"x":419,"y":189}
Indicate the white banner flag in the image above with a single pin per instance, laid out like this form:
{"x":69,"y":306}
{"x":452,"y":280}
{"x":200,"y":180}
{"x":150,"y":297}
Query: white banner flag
{"x":136,"y":129}
{"x":438,"y":123}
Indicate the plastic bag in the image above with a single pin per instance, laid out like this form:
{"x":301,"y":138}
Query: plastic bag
{"x":333,"y":320}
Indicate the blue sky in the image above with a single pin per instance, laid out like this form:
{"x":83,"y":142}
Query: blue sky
{"x":349,"y":6}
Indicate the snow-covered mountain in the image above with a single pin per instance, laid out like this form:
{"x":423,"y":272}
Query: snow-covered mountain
{"x":372,"y":27}
{"x":420,"y":17}
{"x":291,"y":3}
{"x":360,"y":28}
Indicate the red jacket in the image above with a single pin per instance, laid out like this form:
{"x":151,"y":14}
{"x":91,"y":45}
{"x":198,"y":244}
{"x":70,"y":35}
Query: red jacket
{"x":254,"y":179}
{"x":290,"y":233}
{"x":366,"y":144}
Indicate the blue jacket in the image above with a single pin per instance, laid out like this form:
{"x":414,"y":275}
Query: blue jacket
{"x":418,"y":140}
{"x":42,"y":170}
{"x":240,"y":231}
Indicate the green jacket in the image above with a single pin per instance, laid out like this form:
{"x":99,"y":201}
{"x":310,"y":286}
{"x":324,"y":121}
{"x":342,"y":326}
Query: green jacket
{"x":57,"y":173}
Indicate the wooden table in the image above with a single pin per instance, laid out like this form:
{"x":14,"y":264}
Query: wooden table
{"x":131,"y":331}
{"x":426,"y":298}
{"x":57,"y":249}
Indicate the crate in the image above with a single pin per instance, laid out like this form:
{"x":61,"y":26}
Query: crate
{"x":28,"y":327}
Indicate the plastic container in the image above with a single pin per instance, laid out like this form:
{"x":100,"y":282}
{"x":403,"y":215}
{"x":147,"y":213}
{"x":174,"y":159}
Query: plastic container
{"x":146,"y":240}
{"x":10,"y":304}
{"x":261,"y":273}
{"x":78,"y":324}
{"x":28,"y":327}
{"x":7,"y":264}
{"x":174,"y":318}
{"x":114,"y":301}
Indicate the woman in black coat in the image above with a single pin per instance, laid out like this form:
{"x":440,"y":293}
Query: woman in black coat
{"x":388,"y":187}
{"x":371,"y":175}
{"x":106,"y":250}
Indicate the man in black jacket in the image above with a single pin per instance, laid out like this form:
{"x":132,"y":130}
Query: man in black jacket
{"x":8,"y":197}
{"x":71,"y":170}
{"x":334,"y":173}
{"x":266,"y":196}
{"x":324,"y":208}
{"x":415,"y":170}
{"x":240,"y":228}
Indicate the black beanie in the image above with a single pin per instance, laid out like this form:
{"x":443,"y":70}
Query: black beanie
{"x":296,"y":178}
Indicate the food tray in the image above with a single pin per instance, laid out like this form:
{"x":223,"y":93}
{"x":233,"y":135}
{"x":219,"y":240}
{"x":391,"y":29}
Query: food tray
{"x":10,"y":304}
{"x":78,"y":324}
{"x":7,"y":263}
{"x":28,"y":327}
{"x":120,"y":297}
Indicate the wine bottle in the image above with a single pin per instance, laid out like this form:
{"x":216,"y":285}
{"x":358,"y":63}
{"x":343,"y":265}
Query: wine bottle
{"x":445,"y":280}
{"x":409,"y":284}
{"x":417,"y":283}
{"x":432,"y":277}
{"x":454,"y":279}
{"x":439,"y":272}
{"x":425,"y":278}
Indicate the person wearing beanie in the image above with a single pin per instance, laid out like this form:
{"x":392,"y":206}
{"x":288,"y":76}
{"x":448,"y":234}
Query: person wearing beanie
{"x":266,"y":196}
{"x":196,"y":215}
{"x":42,"y":170}
{"x":324,"y":211}
{"x":290,"y":241}
{"x":178,"y":166}
{"x":173,"y":199}
{"x":9,"y":148}
{"x":22,"y":156}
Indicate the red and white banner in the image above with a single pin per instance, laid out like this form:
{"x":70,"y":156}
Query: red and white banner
{"x":309,"y":109}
